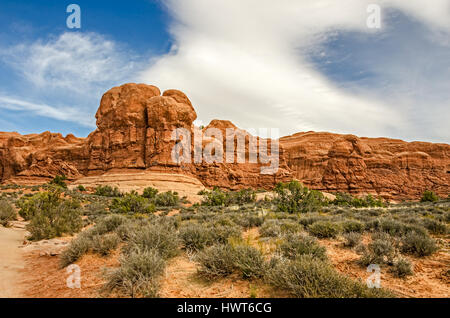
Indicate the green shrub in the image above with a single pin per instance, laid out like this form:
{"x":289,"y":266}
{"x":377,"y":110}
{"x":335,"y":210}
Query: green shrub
{"x":352,"y":226}
{"x":195,"y":236}
{"x":112,"y":222}
{"x":81,"y":188}
{"x":127,"y":230}
{"x":352,"y":239}
{"x":249,"y":261}
{"x":294,"y":245}
{"x":167,"y":199}
{"x":270,"y":228}
{"x":95,"y":209}
{"x":104,"y":244}
{"x":59,"y":181}
{"x":150,"y":193}
{"x":309,"y":277}
{"x":435,"y":227}
{"x":7,"y":213}
{"x":429,"y":196}
{"x":222,"y":233}
{"x":345,"y":199}
{"x":138,"y":274}
{"x":216,"y":197}
{"x":76,"y":249}
{"x":56,"y":221}
{"x":216,"y":261}
{"x":293,"y":197}
{"x":241,"y":197}
{"x":249,"y":221}
{"x":132,"y":204}
{"x":289,"y":226}
{"x":324,"y":229}
{"x":420,"y":245}
{"x":159,"y":237}
{"x":402,"y":268}
{"x":43,"y":201}
{"x":381,"y":250}
{"x":107,"y":191}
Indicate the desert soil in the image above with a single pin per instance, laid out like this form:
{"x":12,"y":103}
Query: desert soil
{"x":11,"y":261}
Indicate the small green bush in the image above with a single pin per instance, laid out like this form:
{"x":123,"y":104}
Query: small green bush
{"x":345,"y":199}
{"x":218,"y":197}
{"x":76,"y":249}
{"x":402,"y":268}
{"x":324,"y":229}
{"x":294,"y":245}
{"x":195,"y":236}
{"x":249,"y":261}
{"x":56,"y":221}
{"x":352,"y":239}
{"x":138,"y":274}
{"x":104,"y":244}
{"x":168,"y":199}
{"x":59,"y":181}
{"x":420,"y":245}
{"x":352,"y":226}
{"x":158,"y":237}
{"x":435,"y":227}
{"x":81,"y":188}
{"x":132,"y":204}
{"x":381,"y":250}
{"x":270,"y":228}
{"x":107,"y":191}
{"x":216,"y":261}
{"x":43,"y":201}
{"x":309,"y":277}
{"x":7,"y":213}
{"x":429,"y":196}
{"x":150,"y":193}
{"x":293,"y":197}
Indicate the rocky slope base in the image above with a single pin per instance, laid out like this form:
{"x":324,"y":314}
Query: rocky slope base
{"x":134,"y":131}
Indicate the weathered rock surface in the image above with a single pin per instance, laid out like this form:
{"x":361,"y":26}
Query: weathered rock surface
{"x":134,"y":131}
{"x":388,"y":167}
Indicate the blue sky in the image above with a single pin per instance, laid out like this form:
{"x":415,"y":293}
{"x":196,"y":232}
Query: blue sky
{"x":296,"y":66}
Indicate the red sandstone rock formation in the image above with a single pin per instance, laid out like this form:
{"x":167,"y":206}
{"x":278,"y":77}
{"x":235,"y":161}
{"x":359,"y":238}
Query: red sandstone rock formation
{"x":134,"y":132}
{"x":387,"y":167}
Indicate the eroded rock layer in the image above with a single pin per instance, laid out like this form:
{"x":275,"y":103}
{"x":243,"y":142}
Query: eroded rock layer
{"x":390,"y":168}
{"x":135,"y":126}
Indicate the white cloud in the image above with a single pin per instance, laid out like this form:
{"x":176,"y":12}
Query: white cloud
{"x":66,"y":114}
{"x":247,"y":61}
{"x":70,"y":72}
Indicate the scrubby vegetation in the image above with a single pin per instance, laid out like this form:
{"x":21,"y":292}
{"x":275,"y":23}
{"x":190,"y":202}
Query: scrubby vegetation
{"x":59,"y":181}
{"x":345,"y":199}
{"x":310,"y":277}
{"x":293,"y":197}
{"x":218,"y":197}
{"x":429,"y":196}
{"x":7,"y":213}
{"x":50,"y":214}
{"x":107,"y":191}
{"x":278,"y":241}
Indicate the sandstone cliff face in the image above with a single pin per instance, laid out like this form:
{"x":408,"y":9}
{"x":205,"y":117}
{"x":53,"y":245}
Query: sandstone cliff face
{"x":134,"y":133}
{"x":388,"y":167}
{"x":32,"y":158}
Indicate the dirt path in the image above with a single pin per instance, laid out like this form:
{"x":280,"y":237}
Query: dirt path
{"x":11,"y":261}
